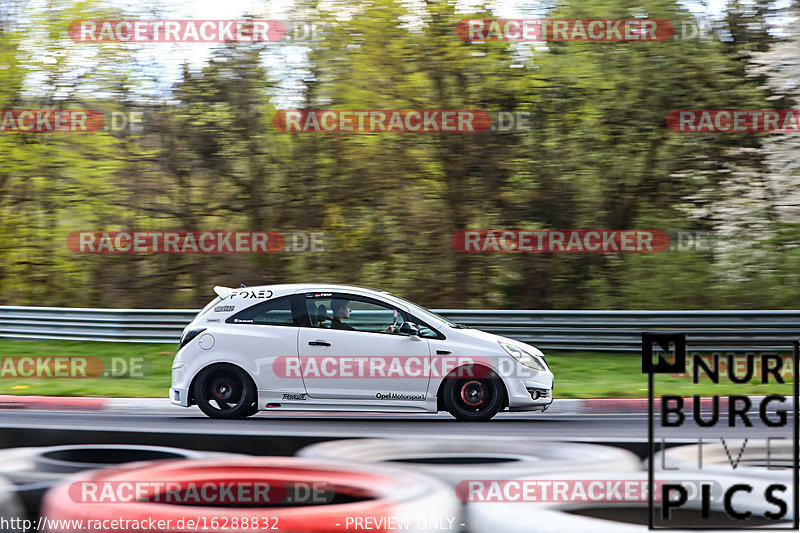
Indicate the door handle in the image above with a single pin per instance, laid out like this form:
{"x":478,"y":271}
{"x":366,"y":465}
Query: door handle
{"x":442,"y":352}
{"x":318,"y":343}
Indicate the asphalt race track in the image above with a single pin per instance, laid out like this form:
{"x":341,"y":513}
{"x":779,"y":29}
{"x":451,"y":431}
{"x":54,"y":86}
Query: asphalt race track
{"x":341,"y":425}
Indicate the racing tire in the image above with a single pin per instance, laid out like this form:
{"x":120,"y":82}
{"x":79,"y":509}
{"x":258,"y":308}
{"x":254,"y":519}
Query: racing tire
{"x":227,"y":386}
{"x":473,"y":399}
{"x":340,"y":491}
{"x":253,"y":409}
{"x":455,"y":459}
{"x":34,"y":470}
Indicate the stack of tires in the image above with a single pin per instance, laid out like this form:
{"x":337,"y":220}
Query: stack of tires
{"x":387,"y":485}
{"x":296,"y":495}
{"x":461,"y":463}
{"x":361,"y":484}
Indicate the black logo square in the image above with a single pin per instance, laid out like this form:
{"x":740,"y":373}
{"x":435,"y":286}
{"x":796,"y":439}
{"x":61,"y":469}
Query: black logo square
{"x":664,"y":365}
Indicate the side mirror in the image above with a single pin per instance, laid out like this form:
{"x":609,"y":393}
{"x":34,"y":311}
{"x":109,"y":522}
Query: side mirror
{"x":409,"y":328}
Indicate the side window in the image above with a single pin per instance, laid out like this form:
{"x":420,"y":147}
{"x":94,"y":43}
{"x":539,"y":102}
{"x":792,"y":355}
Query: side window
{"x":372,"y":317}
{"x":425,"y":331}
{"x":277,"y":312}
{"x":350,"y":312}
{"x":318,"y":309}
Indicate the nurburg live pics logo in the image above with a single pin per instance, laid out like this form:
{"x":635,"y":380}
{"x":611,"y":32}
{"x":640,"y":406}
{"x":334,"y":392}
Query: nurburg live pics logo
{"x":665,"y":353}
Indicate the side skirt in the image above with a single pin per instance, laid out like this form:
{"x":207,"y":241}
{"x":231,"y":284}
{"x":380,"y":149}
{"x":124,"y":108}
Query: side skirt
{"x":271,"y":401}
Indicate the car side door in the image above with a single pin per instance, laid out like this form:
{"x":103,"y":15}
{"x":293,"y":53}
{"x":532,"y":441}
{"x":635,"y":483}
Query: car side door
{"x":364,"y":359}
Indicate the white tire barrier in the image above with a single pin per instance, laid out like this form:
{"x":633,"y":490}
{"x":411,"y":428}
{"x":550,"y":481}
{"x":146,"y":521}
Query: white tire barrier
{"x":11,"y":510}
{"x":379,"y":498}
{"x":604,"y":514}
{"x":453,"y":460}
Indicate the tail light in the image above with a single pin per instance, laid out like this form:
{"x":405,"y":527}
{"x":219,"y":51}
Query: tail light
{"x":189,"y":335}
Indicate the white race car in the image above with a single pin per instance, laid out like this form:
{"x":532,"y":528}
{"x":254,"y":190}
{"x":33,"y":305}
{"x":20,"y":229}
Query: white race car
{"x":345,"y":348}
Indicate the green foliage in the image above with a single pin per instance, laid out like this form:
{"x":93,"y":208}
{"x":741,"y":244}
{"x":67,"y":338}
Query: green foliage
{"x":599,"y":157}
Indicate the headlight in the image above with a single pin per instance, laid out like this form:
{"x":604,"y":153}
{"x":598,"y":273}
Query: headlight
{"x":527,"y":359}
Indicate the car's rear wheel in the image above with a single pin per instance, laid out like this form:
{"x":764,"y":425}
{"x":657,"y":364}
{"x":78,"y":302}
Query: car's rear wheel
{"x":225,"y":391}
{"x":473,"y":399}
{"x":253,"y":409}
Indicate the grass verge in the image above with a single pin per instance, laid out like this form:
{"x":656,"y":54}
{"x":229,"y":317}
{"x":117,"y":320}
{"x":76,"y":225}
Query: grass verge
{"x":143,"y":370}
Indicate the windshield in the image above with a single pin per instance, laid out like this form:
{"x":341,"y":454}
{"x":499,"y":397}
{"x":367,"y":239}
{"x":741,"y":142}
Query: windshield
{"x":425,"y":313}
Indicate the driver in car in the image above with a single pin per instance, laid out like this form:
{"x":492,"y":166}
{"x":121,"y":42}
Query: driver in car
{"x":341,"y":310}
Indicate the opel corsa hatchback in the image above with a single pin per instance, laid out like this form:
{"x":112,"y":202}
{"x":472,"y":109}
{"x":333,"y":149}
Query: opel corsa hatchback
{"x":345,"y":348}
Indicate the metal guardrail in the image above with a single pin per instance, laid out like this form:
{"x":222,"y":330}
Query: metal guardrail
{"x":621,"y":331}
{"x":616,"y":331}
{"x":113,"y":325}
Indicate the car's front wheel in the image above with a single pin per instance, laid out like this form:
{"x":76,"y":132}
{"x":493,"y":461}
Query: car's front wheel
{"x":473,"y":399}
{"x":225,"y":391}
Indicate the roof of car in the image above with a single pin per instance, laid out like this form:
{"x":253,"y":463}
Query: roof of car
{"x":310,"y":286}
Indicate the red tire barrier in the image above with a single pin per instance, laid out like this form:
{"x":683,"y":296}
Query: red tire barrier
{"x":196,"y":495}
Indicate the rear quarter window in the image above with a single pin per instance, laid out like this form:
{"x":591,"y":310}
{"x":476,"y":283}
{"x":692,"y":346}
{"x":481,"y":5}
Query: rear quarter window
{"x":277,"y":312}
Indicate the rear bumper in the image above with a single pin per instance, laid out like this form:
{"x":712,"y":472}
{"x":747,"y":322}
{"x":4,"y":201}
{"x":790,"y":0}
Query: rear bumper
{"x":179,"y":396}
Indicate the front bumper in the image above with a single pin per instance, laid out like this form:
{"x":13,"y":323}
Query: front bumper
{"x":540,"y":400}
{"x":531,"y":393}
{"x":528,"y":408}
